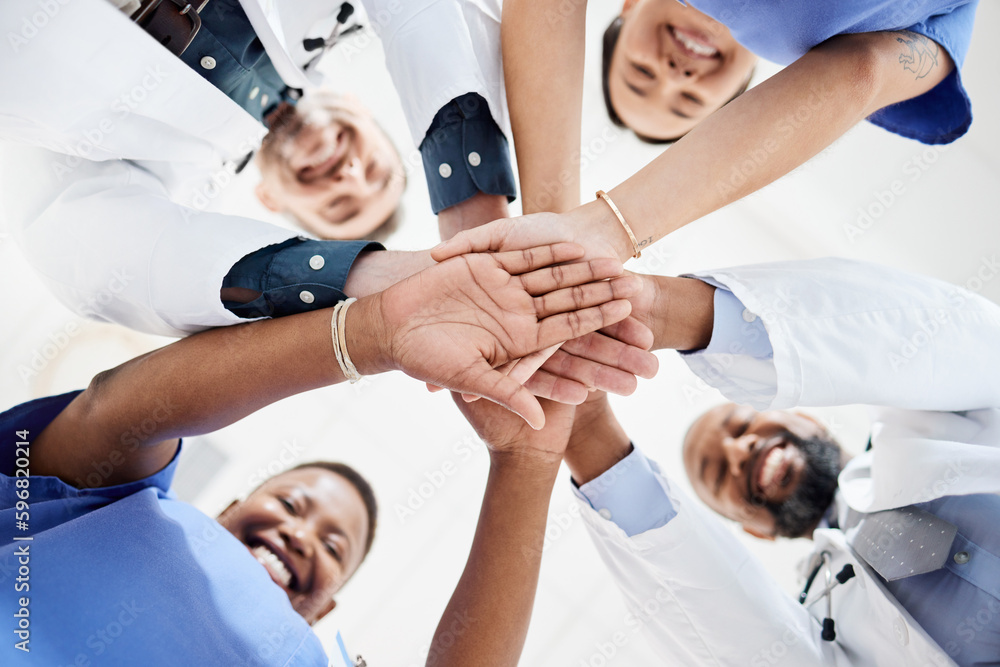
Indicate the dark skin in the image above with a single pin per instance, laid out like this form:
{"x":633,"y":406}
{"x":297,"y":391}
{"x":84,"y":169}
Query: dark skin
{"x":316,"y":523}
{"x":726,"y":448}
{"x":725,"y":452}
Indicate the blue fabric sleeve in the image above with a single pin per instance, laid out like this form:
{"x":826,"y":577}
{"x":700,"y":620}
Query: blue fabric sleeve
{"x":736,"y":330}
{"x":295,"y":276}
{"x":944,"y":113}
{"x":464,"y":152}
{"x":630,"y":495}
{"x":24,"y":422}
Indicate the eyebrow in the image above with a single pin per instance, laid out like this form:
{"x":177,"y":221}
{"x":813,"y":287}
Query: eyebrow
{"x":729,"y":416}
{"x":635,"y":90}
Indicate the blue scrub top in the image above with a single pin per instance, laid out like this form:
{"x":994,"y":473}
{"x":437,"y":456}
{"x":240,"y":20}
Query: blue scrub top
{"x":782,"y":31}
{"x":129,"y":575}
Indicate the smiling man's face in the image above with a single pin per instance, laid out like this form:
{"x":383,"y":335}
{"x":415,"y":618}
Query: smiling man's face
{"x":327,"y":163}
{"x":774,"y":472}
{"x":308,"y":527}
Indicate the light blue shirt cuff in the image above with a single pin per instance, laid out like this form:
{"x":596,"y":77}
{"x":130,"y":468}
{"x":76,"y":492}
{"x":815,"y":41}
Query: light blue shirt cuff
{"x":630,"y":495}
{"x":736,"y":330}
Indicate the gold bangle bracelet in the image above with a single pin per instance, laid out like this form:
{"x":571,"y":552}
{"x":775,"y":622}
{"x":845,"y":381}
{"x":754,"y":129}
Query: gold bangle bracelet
{"x":601,"y":194}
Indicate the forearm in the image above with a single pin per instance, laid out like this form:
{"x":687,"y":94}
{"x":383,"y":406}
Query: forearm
{"x":374,"y":271}
{"x":477,"y":210}
{"x":598,"y":441}
{"x":194,"y":386}
{"x":486,"y":620}
{"x":543,"y":57}
{"x":764,"y":134}
{"x":679,"y":311}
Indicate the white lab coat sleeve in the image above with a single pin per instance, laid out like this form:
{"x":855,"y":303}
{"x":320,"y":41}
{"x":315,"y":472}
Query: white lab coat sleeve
{"x":111,"y":245}
{"x":437,"y":50}
{"x":701,"y":598}
{"x":846,"y":331}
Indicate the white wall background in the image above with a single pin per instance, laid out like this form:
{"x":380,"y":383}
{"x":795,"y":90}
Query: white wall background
{"x":945,"y":224}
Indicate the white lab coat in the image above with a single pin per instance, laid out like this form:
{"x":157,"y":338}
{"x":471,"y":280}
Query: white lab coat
{"x":123,"y":147}
{"x":436,"y":50}
{"x":843,"y":332}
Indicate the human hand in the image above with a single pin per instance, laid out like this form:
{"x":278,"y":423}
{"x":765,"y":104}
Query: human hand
{"x":507,"y":436}
{"x":451,"y":324}
{"x":589,"y":226}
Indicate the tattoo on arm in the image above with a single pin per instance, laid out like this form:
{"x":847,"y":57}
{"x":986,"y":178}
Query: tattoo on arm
{"x":921,"y":56}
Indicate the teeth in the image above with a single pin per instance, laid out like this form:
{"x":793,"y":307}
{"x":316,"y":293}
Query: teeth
{"x":270,"y":560}
{"x":770,"y":468}
{"x":694,"y":46}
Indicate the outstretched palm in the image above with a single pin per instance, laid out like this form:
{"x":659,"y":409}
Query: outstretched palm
{"x":453,"y":323}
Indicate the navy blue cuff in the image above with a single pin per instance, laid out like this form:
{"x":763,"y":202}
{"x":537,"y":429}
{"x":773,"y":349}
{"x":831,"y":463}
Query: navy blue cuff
{"x":295,"y":276}
{"x":464,"y":152}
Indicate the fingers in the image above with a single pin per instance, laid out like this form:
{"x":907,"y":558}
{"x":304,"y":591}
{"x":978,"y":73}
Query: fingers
{"x":611,"y":353}
{"x":522,"y":369}
{"x":521,"y":261}
{"x":493,"y":385}
{"x":586,"y":296}
{"x":553,"y":278}
{"x":546,"y":385}
{"x":485,"y":238}
{"x":590,"y":373}
{"x":566,"y":326}
{"x":631,"y":332}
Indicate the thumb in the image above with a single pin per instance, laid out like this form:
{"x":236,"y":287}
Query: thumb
{"x":485,"y":238}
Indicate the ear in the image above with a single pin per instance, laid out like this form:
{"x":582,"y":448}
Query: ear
{"x":224,"y":515}
{"x":266,"y":197}
{"x":757,"y":534}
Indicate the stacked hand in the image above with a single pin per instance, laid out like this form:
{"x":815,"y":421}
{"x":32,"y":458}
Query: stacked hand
{"x":451,"y":325}
{"x":588,"y":226}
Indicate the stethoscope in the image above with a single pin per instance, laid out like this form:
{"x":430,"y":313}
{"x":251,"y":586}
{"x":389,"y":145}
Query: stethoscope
{"x":338,"y":33}
{"x":829,"y":633}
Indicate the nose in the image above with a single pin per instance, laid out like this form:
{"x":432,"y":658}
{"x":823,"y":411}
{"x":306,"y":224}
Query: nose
{"x":352,"y":171}
{"x":680,"y":70}
{"x":738,"y":450}
{"x":297,"y":538}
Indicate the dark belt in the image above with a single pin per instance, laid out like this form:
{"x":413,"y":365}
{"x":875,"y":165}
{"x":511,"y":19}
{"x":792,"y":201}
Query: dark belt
{"x":172,"y":23}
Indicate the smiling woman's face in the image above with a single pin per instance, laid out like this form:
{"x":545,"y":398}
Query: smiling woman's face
{"x":672,"y":67}
{"x":308,"y":527}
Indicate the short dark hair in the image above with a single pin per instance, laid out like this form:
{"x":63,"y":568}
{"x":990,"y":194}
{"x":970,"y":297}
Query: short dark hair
{"x":362,"y":486}
{"x":610,"y":41}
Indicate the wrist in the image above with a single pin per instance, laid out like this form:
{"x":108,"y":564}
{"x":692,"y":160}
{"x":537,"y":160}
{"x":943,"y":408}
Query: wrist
{"x":598,"y":443}
{"x":529,"y":464}
{"x":685,"y":314}
{"x":368,"y":341}
{"x":377,"y":270}
{"x":596,"y":219}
